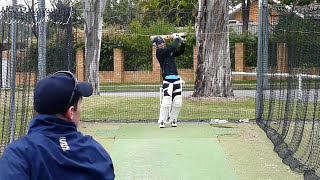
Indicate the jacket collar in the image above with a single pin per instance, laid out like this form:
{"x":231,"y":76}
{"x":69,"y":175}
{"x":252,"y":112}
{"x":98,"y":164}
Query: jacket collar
{"x":48,"y":124}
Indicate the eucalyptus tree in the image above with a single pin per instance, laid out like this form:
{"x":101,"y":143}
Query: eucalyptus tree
{"x":93,"y":18}
{"x":213,"y":73}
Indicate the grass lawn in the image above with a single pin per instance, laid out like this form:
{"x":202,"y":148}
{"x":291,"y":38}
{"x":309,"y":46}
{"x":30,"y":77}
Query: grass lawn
{"x":236,"y":84}
{"x":251,"y":153}
{"x":100,"y":108}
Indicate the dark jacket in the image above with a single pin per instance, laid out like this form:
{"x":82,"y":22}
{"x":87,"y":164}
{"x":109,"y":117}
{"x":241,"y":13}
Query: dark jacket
{"x":166,"y":59}
{"x":54,"y":149}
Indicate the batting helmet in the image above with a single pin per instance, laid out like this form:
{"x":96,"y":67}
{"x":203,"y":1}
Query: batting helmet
{"x":158,"y":40}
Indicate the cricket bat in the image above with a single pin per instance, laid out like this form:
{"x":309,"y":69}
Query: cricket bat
{"x":165,"y":37}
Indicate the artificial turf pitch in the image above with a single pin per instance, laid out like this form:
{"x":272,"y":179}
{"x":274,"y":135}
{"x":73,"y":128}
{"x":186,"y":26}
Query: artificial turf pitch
{"x":190,"y":151}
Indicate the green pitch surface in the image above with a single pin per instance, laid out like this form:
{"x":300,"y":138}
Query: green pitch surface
{"x":190,"y":151}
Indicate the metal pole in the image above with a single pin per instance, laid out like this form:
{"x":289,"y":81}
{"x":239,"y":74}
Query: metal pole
{"x":259,"y":95}
{"x":13,"y":71}
{"x":41,"y":41}
{"x":265,"y":44}
{"x":69,"y":42}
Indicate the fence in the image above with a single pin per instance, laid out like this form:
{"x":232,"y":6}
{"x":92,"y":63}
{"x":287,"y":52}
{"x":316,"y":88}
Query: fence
{"x":288,"y":108}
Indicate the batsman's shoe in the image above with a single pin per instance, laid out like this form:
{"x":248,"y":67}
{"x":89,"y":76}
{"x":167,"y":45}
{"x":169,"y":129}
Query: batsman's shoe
{"x":174,"y":124}
{"x":161,"y":125}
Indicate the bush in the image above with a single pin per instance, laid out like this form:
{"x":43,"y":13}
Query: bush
{"x":57,"y":58}
{"x":137,"y":46}
{"x":302,"y":38}
{"x":251,"y":44}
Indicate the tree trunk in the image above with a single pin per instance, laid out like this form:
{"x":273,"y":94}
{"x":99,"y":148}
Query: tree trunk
{"x":93,"y":18}
{"x":245,"y":14}
{"x":213,"y":74}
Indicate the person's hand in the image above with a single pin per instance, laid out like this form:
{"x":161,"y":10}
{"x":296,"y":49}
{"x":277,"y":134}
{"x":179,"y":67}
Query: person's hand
{"x":175,"y":36}
{"x":168,"y":38}
{"x":183,"y":38}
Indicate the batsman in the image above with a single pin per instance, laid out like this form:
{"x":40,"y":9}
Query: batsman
{"x":172,"y":82}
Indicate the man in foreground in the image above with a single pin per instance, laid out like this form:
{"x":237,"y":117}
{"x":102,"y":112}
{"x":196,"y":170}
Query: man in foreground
{"x":53,"y":148}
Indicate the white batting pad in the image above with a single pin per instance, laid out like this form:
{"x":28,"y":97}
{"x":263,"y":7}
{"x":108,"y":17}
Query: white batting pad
{"x":165,"y":107}
{"x":176,"y":106}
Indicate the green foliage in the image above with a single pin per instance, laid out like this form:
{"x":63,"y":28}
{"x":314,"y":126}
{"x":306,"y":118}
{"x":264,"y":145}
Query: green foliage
{"x":137,"y":46}
{"x":155,"y":27}
{"x":30,"y":62}
{"x":251,"y":44}
{"x":301,"y":37}
{"x":179,"y":12}
{"x":137,"y":52}
{"x":106,"y":53}
{"x":130,"y":24}
{"x":297,"y":2}
{"x":56,"y":59}
{"x":186,"y":60}
{"x":79,"y":43}
{"x":119,"y":12}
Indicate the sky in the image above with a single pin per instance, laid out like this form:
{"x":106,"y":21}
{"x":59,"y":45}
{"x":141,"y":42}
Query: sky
{"x":4,"y":3}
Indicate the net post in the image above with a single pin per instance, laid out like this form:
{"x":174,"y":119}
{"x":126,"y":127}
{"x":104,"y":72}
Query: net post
{"x":258,"y":111}
{"x":13,"y":71}
{"x":299,"y":86}
{"x":41,"y":41}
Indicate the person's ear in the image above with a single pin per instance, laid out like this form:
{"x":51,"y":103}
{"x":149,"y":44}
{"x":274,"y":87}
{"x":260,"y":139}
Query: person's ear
{"x":69,"y":113}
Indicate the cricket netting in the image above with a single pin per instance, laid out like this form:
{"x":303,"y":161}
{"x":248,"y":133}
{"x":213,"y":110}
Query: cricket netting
{"x":19,"y":61}
{"x":130,"y":76}
{"x":290,"y":106}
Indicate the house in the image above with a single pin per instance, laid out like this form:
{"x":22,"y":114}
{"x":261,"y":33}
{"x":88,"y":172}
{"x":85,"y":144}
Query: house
{"x":22,"y":3}
{"x":235,"y":12}
{"x":235,"y":16}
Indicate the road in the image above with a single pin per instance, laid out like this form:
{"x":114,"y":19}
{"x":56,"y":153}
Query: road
{"x":311,"y":95}
{"x":250,"y":93}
